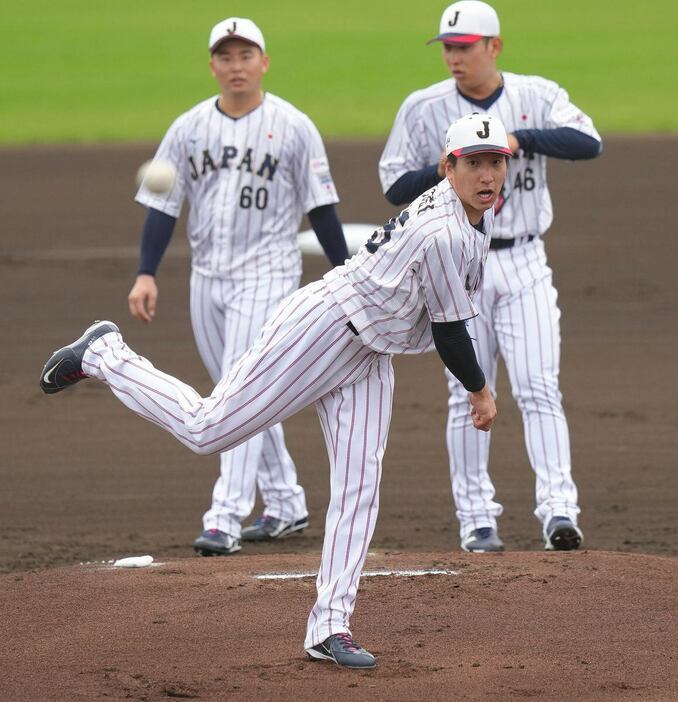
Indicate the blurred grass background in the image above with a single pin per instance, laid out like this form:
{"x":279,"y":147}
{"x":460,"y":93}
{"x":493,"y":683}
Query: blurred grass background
{"x":89,"y":71}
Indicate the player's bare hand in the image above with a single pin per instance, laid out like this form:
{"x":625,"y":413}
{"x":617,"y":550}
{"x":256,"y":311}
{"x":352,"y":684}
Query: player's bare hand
{"x":483,"y":409}
{"x":513,"y":143}
{"x":441,"y":164}
{"x":143,"y":298}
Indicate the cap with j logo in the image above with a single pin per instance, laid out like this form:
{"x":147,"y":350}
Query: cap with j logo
{"x":236,"y":28}
{"x":466,"y":22}
{"x":476,"y":134}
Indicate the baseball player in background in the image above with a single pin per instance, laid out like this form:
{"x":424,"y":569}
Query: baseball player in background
{"x":331,"y":344}
{"x":249,"y":164}
{"x":519,"y":316}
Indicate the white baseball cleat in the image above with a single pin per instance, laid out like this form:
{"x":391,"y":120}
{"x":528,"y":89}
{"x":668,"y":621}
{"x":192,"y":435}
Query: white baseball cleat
{"x":482,"y":540}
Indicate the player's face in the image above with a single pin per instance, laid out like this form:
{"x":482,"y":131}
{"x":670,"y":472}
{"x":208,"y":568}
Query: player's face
{"x":238,"y":67}
{"x":473,"y":65}
{"x":478,"y":180}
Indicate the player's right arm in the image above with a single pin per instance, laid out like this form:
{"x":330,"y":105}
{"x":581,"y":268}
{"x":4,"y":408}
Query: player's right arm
{"x":163,"y":211}
{"x":449,"y":307}
{"x":404,"y":168}
{"x":455,"y":348}
{"x":155,"y":238}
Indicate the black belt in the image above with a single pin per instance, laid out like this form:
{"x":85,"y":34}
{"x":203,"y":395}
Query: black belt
{"x":349,"y":324}
{"x":508,"y":243}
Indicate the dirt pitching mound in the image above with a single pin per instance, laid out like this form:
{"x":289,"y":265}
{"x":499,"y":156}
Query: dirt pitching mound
{"x":589,"y":625}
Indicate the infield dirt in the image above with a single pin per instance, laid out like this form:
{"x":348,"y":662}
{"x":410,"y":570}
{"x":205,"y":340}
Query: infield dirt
{"x":85,"y":480}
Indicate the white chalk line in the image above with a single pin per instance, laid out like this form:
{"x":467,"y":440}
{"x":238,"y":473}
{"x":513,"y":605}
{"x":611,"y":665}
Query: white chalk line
{"x":365,"y":574}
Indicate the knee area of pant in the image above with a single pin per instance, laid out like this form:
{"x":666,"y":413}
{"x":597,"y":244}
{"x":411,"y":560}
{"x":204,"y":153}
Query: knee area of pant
{"x":539,"y":390}
{"x":203,"y":450}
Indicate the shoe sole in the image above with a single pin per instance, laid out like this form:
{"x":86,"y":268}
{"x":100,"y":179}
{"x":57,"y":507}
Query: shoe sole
{"x":208,"y":551}
{"x":316,"y":657}
{"x":565,"y":539}
{"x":296,"y":528}
{"x":497,"y":549}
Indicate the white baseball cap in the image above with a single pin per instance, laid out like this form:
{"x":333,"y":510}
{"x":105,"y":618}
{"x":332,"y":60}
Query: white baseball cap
{"x":466,"y":22}
{"x":236,"y":28}
{"x":477,"y":133}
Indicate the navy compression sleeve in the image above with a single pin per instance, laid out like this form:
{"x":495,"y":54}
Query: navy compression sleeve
{"x":456,"y":349}
{"x":327,"y":228}
{"x":563,"y":142}
{"x":155,"y":238}
{"x":412,"y":184}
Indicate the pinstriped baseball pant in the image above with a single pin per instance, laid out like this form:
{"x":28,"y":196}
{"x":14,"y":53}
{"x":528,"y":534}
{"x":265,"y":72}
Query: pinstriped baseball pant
{"x":519,"y":319}
{"x":305,"y":354}
{"x":227,"y":316}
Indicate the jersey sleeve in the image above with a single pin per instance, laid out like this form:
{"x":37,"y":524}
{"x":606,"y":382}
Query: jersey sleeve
{"x":560,"y":112}
{"x":440,"y":277}
{"x":171,"y":149}
{"x":315,"y":186}
{"x":405,"y":149}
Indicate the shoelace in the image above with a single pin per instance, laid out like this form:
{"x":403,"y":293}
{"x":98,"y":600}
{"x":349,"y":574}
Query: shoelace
{"x":348,"y":644}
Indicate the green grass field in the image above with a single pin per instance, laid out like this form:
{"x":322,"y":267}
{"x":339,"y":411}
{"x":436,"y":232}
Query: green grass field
{"x":86,"y":71}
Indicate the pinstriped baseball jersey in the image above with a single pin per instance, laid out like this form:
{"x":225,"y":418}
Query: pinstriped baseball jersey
{"x":248,"y":182}
{"x":526,"y":102}
{"x":423,"y":266}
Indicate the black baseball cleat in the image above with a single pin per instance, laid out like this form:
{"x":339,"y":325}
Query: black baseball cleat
{"x":64,"y":367}
{"x":267,"y":528}
{"x":562,"y":535}
{"x":344,"y":651}
{"x":213,"y":542}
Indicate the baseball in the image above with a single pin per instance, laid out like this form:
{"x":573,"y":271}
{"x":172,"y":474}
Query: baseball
{"x":158,"y":176}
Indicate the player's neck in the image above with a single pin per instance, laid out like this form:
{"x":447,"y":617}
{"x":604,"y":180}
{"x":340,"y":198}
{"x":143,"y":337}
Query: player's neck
{"x":239,"y":105}
{"x":480,"y":91}
{"x":474,"y":216}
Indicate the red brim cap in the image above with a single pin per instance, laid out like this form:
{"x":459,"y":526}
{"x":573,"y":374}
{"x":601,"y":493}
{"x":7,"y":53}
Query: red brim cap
{"x":457,"y":39}
{"x":482,"y":149}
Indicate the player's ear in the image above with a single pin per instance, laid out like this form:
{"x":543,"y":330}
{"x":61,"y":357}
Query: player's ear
{"x":265,"y":63}
{"x":449,"y":170}
{"x":211,"y":64}
{"x":495,"y":46}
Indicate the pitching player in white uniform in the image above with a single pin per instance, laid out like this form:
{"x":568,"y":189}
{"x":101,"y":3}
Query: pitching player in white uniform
{"x":331,"y":344}
{"x":519,"y":317}
{"x":249,"y":164}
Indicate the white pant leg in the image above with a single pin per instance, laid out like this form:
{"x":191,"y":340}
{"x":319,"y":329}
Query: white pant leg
{"x":527,"y":322}
{"x":355,"y":420}
{"x":277,"y":480}
{"x":303,"y":353}
{"x":468,"y":449}
{"x":227,"y":316}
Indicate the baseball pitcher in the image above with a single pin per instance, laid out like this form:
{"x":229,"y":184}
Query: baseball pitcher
{"x":331,"y":343}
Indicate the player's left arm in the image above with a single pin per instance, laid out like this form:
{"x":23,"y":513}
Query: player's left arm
{"x":318,"y":195}
{"x":328,"y":229}
{"x":567,"y":132}
{"x":560,"y":142}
